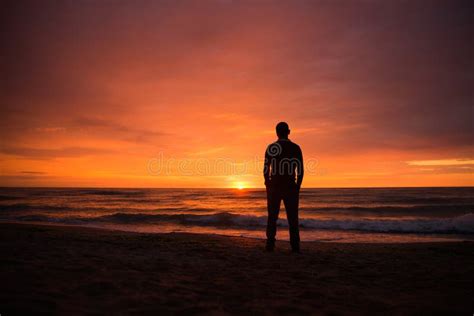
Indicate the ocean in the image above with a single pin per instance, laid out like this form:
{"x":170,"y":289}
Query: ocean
{"x":331,"y":215}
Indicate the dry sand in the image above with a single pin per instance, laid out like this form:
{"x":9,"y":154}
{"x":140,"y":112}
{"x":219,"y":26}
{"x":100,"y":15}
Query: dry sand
{"x":75,"y":270}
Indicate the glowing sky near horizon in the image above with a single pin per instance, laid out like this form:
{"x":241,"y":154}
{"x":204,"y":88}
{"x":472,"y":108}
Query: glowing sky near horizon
{"x":378,"y":93}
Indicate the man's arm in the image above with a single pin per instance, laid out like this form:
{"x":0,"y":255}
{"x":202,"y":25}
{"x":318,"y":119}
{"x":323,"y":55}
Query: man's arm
{"x":266,"y":168}
{"x":300,"y":168}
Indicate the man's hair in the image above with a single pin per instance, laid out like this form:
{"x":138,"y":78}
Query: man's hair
{"x":282,"y":129}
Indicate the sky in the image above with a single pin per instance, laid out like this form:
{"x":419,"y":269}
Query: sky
{"x":187,"y":93}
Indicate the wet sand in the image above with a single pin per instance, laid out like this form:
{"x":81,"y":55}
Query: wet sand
{"x":75,"y":270}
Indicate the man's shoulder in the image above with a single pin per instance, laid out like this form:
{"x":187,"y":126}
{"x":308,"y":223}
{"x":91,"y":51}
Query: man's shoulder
{"x":284,"y":142}
{"x":296,"y":149}
{"x":278,"y":145}
{"x":295,"y":145}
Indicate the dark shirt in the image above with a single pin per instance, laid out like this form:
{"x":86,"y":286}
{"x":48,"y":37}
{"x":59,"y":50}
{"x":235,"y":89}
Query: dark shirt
{"x":283,"y":165}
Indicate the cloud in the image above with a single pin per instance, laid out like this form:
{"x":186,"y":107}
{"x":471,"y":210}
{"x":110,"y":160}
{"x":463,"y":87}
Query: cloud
{"x":442,"y":162}
{"x":48,"y":153}
{"x":33,"y":172}
{"x":443,"y":166}
{"x":50,"y":129}
{"x":21,"y":126}
{"x":110,"y":129}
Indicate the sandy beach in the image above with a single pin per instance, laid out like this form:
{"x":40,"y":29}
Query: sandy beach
{"x":76,"y":270}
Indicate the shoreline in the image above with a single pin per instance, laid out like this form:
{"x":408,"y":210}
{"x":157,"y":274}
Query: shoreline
{"x":73,"y":269}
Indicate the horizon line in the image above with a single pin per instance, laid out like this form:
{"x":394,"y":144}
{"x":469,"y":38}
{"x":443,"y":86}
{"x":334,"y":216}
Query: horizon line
{"x":224,"y":188}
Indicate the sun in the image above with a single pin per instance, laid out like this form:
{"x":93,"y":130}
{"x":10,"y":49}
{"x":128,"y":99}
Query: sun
{"x":239,"y":185}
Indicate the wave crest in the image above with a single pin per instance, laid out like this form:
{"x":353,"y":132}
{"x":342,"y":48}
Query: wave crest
{"x":463,"y":224}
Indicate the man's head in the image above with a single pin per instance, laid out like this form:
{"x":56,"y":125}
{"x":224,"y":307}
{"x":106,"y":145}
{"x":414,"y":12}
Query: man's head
{"x":282,"y":130}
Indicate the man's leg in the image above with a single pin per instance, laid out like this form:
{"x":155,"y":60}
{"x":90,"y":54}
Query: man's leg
{"x":273,"y":205}
{"x":291,"y":200}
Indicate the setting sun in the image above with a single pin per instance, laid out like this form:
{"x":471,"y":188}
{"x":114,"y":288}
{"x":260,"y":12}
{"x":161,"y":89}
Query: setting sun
{"x":239,"y":185}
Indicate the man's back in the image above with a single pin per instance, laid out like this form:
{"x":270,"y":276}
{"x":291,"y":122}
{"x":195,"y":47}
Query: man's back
{"x":284,"y":161}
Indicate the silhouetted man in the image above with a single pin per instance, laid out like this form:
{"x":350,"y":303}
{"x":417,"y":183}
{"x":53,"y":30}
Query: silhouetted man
{"x":283,"y":172}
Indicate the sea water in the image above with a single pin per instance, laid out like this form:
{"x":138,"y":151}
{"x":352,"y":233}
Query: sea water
{"x":332,"y":215}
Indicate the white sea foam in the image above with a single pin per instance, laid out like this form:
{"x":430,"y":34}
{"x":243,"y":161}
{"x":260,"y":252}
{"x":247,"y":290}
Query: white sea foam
{"x":460,"y":225}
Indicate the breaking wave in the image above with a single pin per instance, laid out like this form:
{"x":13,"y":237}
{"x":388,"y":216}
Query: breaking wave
{"x":463,"y":224}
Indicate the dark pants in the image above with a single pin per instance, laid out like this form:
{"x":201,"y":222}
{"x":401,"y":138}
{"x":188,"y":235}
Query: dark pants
{"x":290,"y":197}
